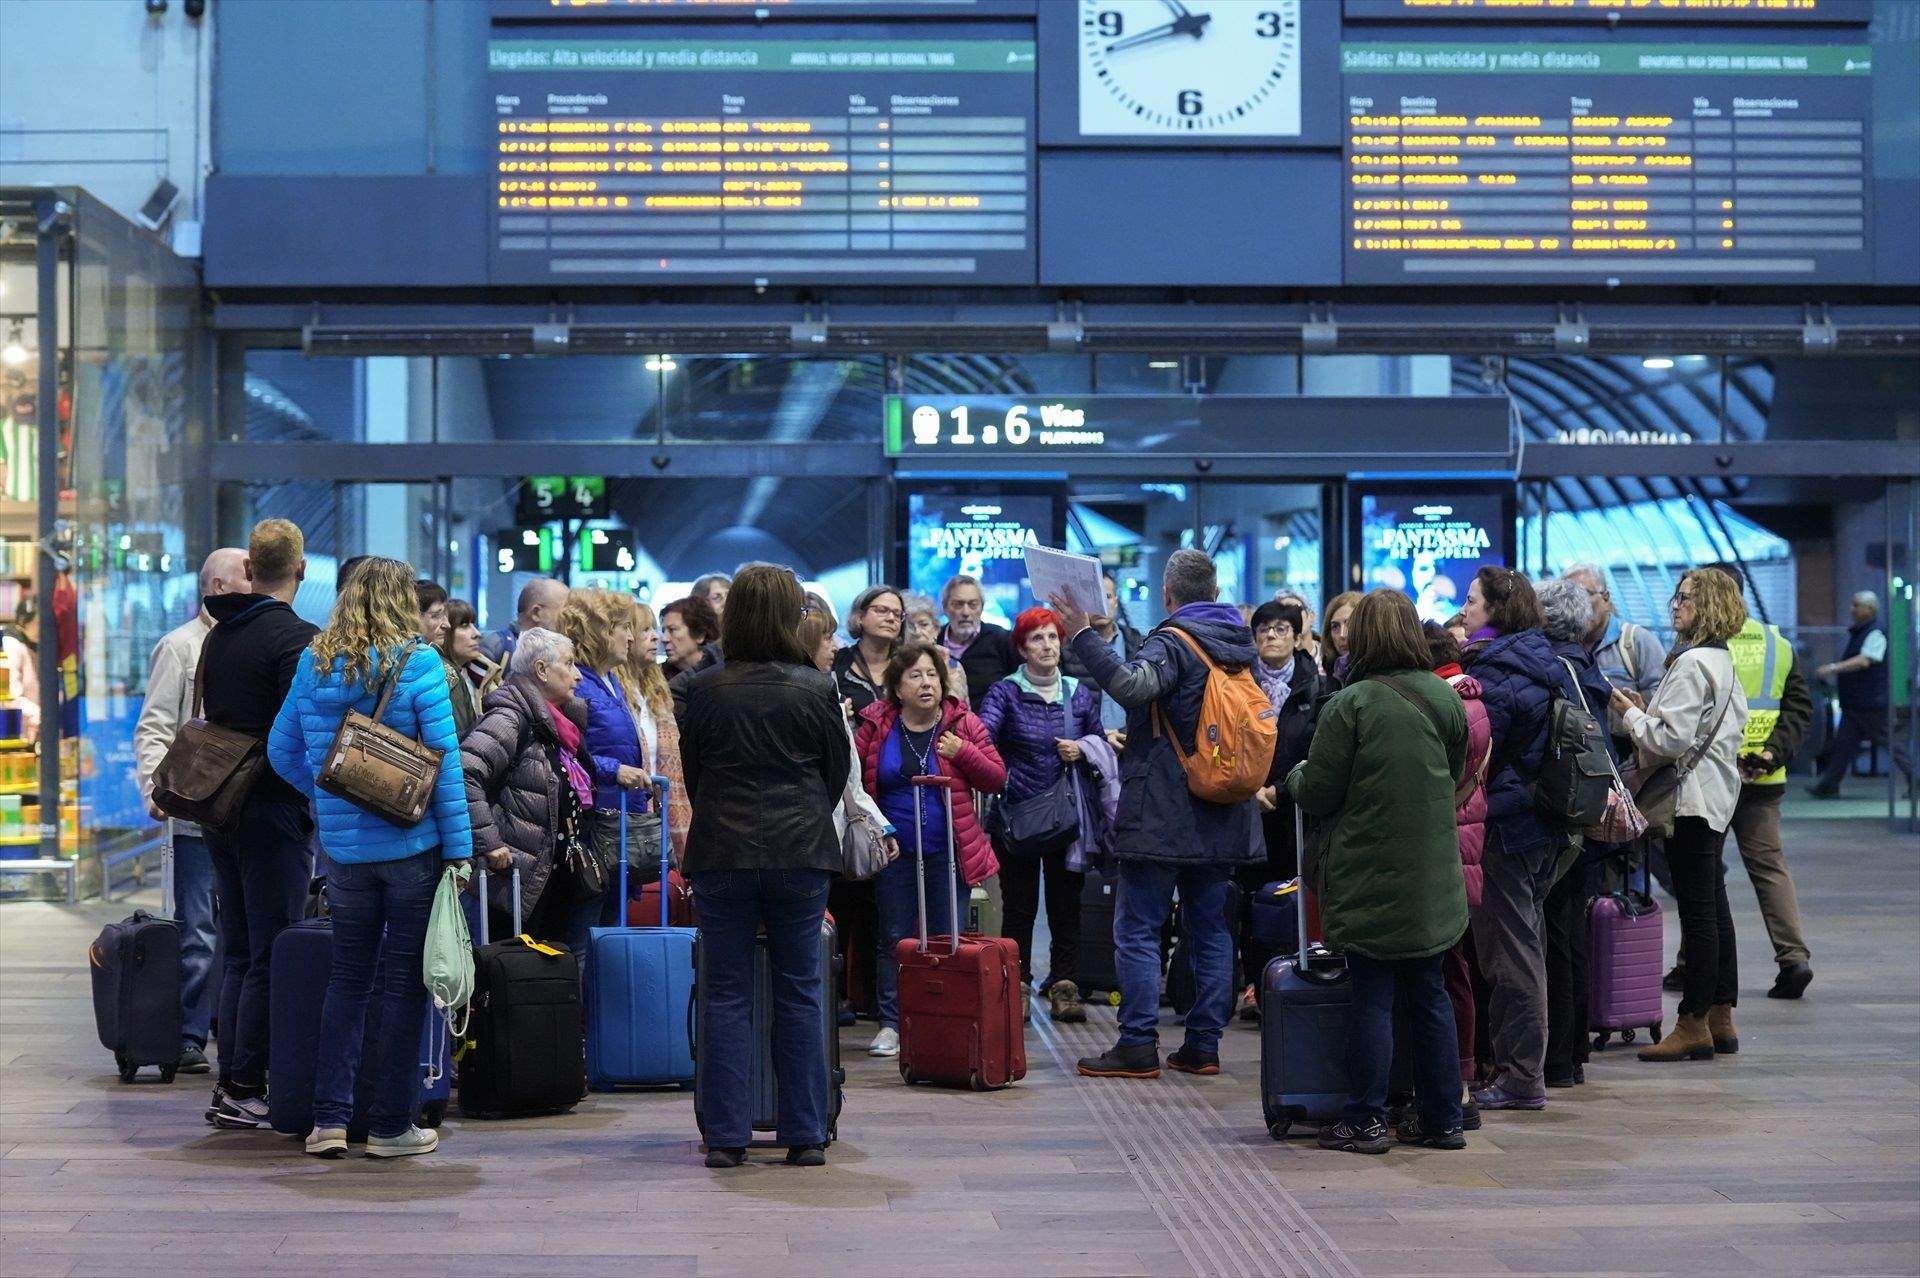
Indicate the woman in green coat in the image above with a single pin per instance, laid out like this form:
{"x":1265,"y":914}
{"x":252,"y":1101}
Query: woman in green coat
{"x":1382,"y":774}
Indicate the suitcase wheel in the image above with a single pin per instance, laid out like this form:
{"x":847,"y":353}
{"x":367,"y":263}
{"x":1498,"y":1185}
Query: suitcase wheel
{"x":1654,"y":1033}
{"x":128,"y":1070}
{"x":1600,"y":1041}
{"x":167,"y":1073}
{"x":976,"y":1083}
{"x":1626,"y":1036}
{"x":907,"y":1076}
{"x":433,"y":1113}
{"x":1278,"y":1129}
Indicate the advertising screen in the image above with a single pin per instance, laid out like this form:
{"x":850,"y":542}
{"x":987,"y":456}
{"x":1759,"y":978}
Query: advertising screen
{"x":984,"y":535}
{"x":1429,"y":543}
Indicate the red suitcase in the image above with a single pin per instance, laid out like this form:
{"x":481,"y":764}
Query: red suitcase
{"x":645,"y":910}
{"x":961,"y":1020}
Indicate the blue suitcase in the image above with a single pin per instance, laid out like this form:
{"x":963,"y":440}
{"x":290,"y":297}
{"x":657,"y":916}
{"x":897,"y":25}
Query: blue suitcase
{"x":302,"y":961}
{"x":1305,"y":1000}
{"x":640,"y":990}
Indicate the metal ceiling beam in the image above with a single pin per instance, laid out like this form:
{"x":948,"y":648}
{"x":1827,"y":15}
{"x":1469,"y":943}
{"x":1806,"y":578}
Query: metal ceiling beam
{"x":1783,"y":458}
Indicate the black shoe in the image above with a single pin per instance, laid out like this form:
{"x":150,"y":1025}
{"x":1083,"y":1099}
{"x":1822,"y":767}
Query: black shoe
{"x":236,"y":1113}
{"x":1188,"y":1061}
{"x":1356,"y":1136}
{"x":1411,"y":1132}
{"x":1561,"y":1080}
{"x":1120,"y":1061}
{"x":193,"y":1059}
{"x":1580,"y":1075}
{"x":1469,"y":1117}
{"x":807,"y":1156}
{"x":1675,"y":981}
{"x":1792,"y":981}
{"x":733,"y":1157}
{"x":1820,"y":792}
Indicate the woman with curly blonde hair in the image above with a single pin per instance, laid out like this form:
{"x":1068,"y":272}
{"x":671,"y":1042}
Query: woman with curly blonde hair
{"x":652,"y":704}
{"x":382,"y":876}
{"x":601,"y":625}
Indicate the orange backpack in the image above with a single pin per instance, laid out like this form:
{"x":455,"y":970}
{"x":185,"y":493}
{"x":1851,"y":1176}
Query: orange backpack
{"x":1234,"y":737}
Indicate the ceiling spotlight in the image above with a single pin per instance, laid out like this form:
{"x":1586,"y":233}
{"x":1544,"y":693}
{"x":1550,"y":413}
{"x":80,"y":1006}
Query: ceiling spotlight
{"x":1656,"y":362}
{"x":14,"y":353}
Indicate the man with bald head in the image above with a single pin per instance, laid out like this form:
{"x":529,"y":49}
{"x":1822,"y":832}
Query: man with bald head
{"x":538,"y":607}
{"x":169,"y":704}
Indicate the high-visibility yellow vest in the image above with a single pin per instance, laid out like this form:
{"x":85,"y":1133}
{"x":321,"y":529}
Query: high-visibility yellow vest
{"x":1761,"y":658}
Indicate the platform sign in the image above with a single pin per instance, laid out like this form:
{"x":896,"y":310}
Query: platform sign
{"x":1714,"y":12}
{"x":1502,"y":162}
{"x":544,"y":497}
{"x":725,"y":154}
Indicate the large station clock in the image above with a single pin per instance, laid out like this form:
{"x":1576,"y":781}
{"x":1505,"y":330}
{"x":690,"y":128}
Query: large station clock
{"x":1194,"y":69}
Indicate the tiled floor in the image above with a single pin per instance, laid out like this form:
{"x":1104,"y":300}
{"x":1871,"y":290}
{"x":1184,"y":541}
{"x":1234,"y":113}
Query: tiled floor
{"x":1799,"y":1156}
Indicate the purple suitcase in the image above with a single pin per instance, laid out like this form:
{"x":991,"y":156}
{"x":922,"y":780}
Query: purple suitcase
{"x":1627,"y":951}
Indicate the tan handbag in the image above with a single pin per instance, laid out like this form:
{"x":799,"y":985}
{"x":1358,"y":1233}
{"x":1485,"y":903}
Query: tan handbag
{"x":379,"y":768}
{"x":207,"y":771}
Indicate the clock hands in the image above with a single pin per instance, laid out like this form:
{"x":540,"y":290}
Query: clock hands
{"x":1184,"y":23}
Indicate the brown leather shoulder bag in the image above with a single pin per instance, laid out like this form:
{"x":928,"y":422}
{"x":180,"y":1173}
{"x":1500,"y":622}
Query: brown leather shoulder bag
{"x":207,"y":771}
{"x":379,"y":768}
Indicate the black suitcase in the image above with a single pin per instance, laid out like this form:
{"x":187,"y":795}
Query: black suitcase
{"x":1097,"y":973}
{"x":760,"y":1076}
{"x":1306,"y":1000}
{"x":1180,"y":983}
{"x":136,"y":993}
{"x":302,"y":965}
{"x":526,"y":1048}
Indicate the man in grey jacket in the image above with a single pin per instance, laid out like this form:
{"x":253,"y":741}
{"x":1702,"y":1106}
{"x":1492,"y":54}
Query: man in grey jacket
{"x":169,"y":705}
{"x":1630,"y":656}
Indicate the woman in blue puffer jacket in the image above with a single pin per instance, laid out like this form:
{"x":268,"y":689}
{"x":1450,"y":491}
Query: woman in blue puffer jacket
{"x":1036,"y":717}
{"x":382,"y":876}
{"x":1513,"y":661}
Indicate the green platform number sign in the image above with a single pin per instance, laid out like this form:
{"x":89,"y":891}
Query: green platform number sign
{"x":607,"y":550}
{"x":524,"y":550}
{"x":544,"y":497}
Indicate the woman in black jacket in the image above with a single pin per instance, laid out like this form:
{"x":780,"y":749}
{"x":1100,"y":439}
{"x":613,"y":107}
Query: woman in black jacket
{"x":1292,"y":682}
{"x":764,"y":749}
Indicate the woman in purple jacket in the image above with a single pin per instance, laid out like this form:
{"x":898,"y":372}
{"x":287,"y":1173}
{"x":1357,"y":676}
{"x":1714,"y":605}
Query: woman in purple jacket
{"x":1036,"y":717}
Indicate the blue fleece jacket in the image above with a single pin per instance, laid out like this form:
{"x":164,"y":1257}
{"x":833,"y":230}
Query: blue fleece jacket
{"x":304,"y":729}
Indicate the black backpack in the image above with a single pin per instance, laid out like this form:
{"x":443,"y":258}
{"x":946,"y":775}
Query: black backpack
{"x":1576,"y":772}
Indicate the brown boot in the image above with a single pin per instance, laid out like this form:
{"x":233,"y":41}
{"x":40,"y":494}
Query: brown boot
{"x":1726,"y":1039}
{"x":1688,"y":1040}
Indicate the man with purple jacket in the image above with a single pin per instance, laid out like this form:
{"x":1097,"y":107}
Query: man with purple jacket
{"x":1165,"y":838}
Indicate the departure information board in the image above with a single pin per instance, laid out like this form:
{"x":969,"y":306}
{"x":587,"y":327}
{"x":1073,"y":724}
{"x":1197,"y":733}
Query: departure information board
{"x":1481,"y":162}
{"x":1704,"y":11}
{"x":813,"y":155}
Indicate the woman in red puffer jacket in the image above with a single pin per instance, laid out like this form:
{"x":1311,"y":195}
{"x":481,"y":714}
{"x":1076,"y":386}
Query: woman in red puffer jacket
{"x":1471,"y":820}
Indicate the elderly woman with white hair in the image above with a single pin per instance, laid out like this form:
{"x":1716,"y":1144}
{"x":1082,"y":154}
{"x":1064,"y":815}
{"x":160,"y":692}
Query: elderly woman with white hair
{"x":529,"y":780}
{"x":1566,"y":618}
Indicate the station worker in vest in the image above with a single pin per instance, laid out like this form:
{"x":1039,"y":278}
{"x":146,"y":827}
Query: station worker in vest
{"x":1779,"y":712}
{"x":1860,"y":677}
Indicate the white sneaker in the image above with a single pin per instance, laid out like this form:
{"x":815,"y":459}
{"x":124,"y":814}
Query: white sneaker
{"x":327,"y":1142}
{"x":885,"y":1043}
{"x":415,"y":1140}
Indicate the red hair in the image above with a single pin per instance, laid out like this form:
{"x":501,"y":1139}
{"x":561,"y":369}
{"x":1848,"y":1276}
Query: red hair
{"x":1031,"y":620}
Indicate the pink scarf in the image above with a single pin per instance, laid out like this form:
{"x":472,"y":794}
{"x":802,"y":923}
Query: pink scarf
{"x":569,"y":733}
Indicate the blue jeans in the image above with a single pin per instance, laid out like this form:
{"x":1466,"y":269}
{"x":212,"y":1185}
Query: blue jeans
{"x":734,"y":905}
{"x":193,"y":911}
{"x":380,"y":911}
{"x":261,"y":869}
{"x":899,"y":909}
{"x":1434,"y":1056}
{"x":1143,"y":897}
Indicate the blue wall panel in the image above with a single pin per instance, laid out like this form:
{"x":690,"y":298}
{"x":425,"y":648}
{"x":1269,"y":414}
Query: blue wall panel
{"x":1212,"y":218}
{"x":271,"y":231}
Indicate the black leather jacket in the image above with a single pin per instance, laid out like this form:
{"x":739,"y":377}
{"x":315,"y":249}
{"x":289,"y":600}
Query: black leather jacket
{"x":764,"y":750}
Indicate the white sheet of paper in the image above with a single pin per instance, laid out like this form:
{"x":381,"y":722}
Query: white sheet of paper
{"x":1074,"y":577}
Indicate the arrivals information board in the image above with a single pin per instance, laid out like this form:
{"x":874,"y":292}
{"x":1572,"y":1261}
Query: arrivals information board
{"x":1483,"y":162}
{"x":713,"y":159}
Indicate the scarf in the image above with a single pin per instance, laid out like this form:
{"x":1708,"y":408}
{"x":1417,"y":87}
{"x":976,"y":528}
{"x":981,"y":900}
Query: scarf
{"x":1047,"y":689}
{"x":1275,"y":683}
{"x":569,"y":733}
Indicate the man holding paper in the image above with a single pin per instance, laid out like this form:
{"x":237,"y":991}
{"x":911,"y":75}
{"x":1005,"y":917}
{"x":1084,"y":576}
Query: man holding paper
{"x":1165,"y":838}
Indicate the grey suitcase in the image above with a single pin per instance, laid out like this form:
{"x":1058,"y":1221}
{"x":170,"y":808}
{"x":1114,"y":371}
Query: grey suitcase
{"x":760,"y":1076}
{"x":1305,"y":1000}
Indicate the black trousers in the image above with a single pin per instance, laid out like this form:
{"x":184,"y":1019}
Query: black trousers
{"x":1706,"y":920}
{"x":1857,"y":728}
{"x":1567,"y":975}
{"x":1020,"y":879}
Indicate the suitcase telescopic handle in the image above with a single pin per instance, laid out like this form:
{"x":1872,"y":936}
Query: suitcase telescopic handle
{"x":480,"y":889}
{"x":1300,"y":885}
{"x":661,"y":788}
{"x":945,"y":786}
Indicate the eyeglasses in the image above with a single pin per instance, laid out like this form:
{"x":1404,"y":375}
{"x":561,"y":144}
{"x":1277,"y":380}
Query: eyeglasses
{"x":1273,"y":631}
{"x":1681,"y":596}
{"x":881,"y":610}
